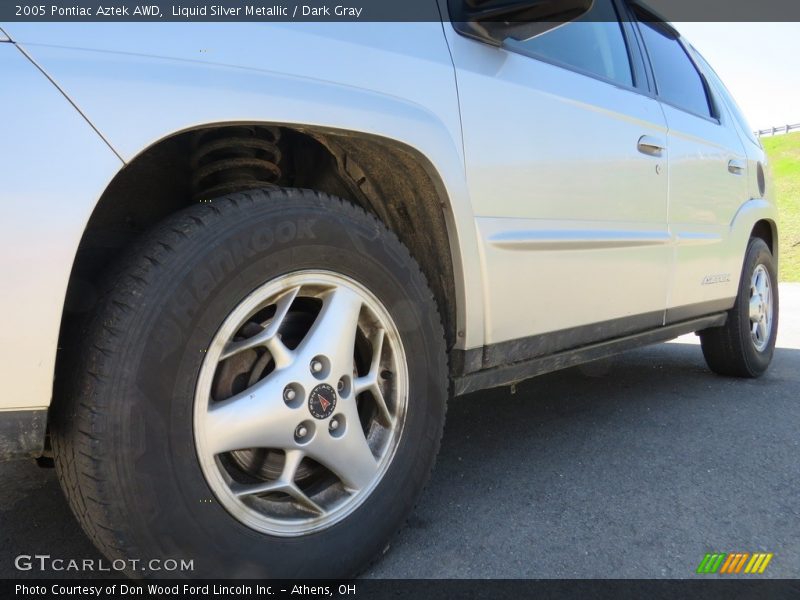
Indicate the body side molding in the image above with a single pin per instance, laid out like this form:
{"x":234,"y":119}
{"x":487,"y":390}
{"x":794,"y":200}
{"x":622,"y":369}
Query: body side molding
{"x":545,"y":239}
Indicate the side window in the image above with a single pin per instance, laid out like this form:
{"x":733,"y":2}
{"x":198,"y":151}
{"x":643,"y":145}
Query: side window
{"x":677,"y":78}
{"x":593,"y":44}
{"x":734,"y":108}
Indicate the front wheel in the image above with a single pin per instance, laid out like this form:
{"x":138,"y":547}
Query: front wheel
{"x":744,"y":346}
{"x":263,"y":392}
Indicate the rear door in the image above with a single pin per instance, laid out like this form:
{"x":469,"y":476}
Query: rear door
{"x":707,"y":175}
{"x":566,"y":172}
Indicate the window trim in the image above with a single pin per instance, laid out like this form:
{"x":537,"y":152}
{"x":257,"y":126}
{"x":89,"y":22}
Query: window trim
{"x":568,"y":67}
{"x":628,"y":17}
{"x":633,"y":57}
{"x":637,"y":12}
{"x":625,"y":9}
{"x":725,"y":98}
{"x":642,"y":76}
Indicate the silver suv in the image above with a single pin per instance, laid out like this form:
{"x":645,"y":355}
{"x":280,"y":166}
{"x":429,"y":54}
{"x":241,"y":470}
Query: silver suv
{"x":245,"y":266}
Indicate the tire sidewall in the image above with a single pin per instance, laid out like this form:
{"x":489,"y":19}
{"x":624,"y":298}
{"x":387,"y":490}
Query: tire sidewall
{"x":758,"y":253}
{"x":163,"y":485}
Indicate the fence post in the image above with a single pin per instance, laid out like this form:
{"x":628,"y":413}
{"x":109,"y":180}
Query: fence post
{"x":775,"y":130}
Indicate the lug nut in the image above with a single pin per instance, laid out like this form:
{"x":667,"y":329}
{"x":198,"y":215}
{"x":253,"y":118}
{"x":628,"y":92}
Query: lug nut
{"x":334,"y":425}
{"x":316,"y":366}
{"x":301,"y":431}
{"x":340,"y":385}
{"x":289,"y":394}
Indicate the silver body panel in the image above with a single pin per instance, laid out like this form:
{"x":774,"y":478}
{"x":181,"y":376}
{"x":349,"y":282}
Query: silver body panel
{"x":551,"y":208}
{"x":54,"y":170}
{"x":588,"y":212}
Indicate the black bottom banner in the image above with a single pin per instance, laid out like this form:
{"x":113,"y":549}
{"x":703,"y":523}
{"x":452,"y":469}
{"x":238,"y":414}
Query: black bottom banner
{"x":400,"y":589}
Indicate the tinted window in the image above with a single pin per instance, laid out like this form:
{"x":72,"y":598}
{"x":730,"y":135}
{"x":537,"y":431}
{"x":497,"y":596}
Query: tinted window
{"x":677,"y":79}
{"x":594,"y":44}
{"x":723,"y":91}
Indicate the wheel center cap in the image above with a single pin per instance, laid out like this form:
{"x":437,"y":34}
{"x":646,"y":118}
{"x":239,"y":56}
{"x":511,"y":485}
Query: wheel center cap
{"x":322,"y":401}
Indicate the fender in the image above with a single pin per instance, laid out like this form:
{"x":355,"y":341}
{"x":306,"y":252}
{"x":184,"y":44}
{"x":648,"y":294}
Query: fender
{"x":55,"y":168}
{"x":315,"y":77}
{"x":749,"y":213}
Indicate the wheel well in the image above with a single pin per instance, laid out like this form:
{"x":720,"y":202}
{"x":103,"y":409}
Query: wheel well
{"x":389,"y":179}
{"x":765,"y":230}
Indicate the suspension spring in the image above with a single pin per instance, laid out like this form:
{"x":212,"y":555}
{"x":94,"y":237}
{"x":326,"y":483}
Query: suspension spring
{"x":234,"y":159}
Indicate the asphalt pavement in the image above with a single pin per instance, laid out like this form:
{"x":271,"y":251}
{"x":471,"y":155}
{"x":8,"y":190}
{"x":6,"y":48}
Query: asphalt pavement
{"x":629,"y":468}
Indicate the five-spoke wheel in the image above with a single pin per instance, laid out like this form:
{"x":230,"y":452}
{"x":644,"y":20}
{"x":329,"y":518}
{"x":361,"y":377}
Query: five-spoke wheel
{"x":760,"y":307}
{"x":300,"y":402}
{"x":263,"y":391}
{"x":743,"y":347}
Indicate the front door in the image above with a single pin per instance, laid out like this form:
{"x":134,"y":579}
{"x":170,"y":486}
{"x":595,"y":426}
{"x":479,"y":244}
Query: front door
{"x":566,"y":168}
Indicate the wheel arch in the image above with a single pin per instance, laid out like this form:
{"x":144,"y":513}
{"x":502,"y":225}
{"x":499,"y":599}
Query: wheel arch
{"x":391,"y":179}
{"x":758,"y":217}
{"x":767,"y":230}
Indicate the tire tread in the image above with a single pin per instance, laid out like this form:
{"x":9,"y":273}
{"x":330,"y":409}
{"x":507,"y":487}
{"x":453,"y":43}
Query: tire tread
{"x":81,"y":448}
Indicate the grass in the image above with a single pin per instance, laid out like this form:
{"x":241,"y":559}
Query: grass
{"x":784,"y":157}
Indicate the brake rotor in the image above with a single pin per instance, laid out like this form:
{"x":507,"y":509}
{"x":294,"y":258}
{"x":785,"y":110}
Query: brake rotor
{"x":243,"y":370}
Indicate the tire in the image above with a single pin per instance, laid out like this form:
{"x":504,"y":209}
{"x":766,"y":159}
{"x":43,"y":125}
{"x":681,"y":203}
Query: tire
{"x":128,"y":438}
{"x":731,"y":350}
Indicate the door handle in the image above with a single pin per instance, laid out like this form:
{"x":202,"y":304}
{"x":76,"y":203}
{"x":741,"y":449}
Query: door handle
{"x":650,"y":146}
{"x":736,"y":166}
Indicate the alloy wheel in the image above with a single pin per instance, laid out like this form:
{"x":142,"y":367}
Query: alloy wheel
{"x":300,"y":403}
